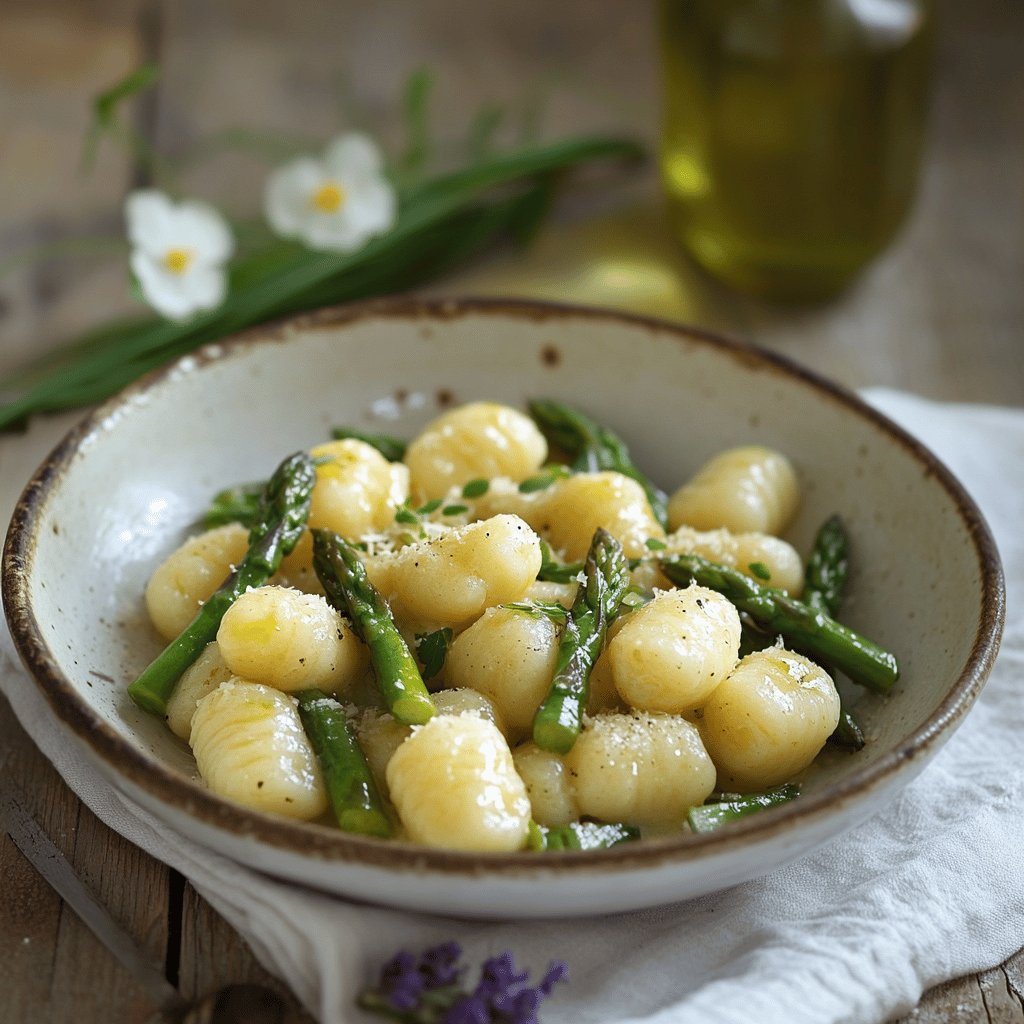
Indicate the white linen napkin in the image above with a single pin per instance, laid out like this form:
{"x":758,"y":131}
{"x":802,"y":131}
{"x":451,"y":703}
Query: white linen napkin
{"x":929,"y":889}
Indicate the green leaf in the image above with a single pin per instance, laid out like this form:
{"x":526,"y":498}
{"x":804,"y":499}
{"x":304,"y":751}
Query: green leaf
{"x":760,"y":570}
{"x":653,"y":544}
{"x":543,"y":481}
{"x":482,"y":129}
{"x":105,"y":108}
{"x":417,"y":127}
{"x":540,"y":609}
{"x":431,"y":506}
{"x":404,"y":514}
{"x":553,"y":571}
{"x":454,"y":510}
{"x":432,"y":649}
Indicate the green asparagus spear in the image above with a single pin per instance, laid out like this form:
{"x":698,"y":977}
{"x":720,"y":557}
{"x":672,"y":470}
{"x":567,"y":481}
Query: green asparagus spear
{"x":580,"y":835}
{"x":237,"y":504}
{"x":801,"y":625}
{"x":281,"y":518}
{"x":708,"y":817}
{"x":557,"y":722}
{"x":593,"y":447}
{"x":827,"y":568}
{"x":345,"y":582}
{"x":824,"y":581}
{"x":354,"y":796}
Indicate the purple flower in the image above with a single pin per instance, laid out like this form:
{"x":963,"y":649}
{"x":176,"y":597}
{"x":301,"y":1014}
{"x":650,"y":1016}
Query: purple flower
{"x":469,"y":1010}
{"x":439,"y":965}
{"x":426,"y":989}
{"x":401,"y":982}
{"x":498,"y":975}
{"x":558,"y":972}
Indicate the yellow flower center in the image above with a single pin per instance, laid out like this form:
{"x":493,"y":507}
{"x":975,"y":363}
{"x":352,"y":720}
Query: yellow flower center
{"x":329,"y":197}
{"x":177,"y":261}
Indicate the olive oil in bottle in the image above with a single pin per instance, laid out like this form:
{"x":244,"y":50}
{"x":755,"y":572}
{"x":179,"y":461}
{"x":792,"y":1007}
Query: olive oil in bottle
{"x":793,"y":132}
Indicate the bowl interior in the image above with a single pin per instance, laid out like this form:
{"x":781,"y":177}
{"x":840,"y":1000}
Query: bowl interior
{"x":131,"y":482}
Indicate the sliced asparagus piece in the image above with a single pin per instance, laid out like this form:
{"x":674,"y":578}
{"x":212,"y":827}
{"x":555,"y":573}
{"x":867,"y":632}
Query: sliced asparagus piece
{"x":559,"y":718}
{"x":708,"y":817}
{"x":581,"y":835}
{"x":354,"y":797}
{"x":347,"y":587}
{"x":281,"y":517}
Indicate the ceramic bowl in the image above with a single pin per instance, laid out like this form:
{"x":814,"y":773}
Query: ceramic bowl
{"x":129,"y":483}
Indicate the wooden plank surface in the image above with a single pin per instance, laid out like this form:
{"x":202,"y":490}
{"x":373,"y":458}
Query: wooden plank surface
{"x":942,"y":313}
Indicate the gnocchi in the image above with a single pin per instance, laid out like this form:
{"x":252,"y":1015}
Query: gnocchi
{"x":743,"y":489}
{"x":475,"y":546}
{"x":290,"y":640}
{"x":769,"y":718}
{"x":476,"y":441}
{"x":250,"y":746}
{"x":454,"y":785}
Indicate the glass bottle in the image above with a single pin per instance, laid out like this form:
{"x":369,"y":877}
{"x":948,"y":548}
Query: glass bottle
{"x":793,"y":132}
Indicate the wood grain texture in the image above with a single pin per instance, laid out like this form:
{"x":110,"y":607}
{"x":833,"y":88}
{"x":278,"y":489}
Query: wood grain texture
{"x":941,"y":313}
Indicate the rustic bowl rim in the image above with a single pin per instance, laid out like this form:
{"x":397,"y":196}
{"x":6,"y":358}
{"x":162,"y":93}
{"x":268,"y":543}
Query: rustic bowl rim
{"x":122,"y":758}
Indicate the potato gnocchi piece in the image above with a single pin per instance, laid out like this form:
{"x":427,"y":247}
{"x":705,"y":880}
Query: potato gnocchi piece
{"x":380,"y":735}
{"x":203,"y":676}
{"x":476,"y":441}
{"x":250,"y":747}
{"x":357,"y":490}
{"x":748,"y":489}
{"x":455,"y":786}
{"x":451,"y":579}
{"x":768,"y":719}
{"x":548,"y":785}
{"x":640,"y":768}
{"x":189,"y":575}
{"x":509,"y":656}
{"x":673,"y":652}
{"x":567,"y":512}
{"x":290,"y":640}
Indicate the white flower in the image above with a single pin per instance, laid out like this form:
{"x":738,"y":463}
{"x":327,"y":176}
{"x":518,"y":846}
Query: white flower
{"x":178,"y":252}
{"x":339,"y":202}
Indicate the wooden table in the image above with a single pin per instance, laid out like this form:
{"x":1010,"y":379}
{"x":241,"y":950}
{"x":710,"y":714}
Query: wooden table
{"x":941,"y":314}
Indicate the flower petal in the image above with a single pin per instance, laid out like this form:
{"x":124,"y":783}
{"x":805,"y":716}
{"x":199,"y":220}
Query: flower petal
{"x":372,"y":206}
{"x":205,"y":231}
{"x":286,"y":198}
{"x":178,"y":296}
{"x":336,"y":233}
{"x":353,"y":157}
{"x":150,"y":220}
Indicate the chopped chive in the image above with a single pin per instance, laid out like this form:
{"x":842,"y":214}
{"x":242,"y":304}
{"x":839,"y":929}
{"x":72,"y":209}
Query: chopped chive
{"x":475,"y":488}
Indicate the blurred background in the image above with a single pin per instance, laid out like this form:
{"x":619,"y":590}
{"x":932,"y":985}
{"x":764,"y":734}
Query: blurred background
{"x":939,"y":312}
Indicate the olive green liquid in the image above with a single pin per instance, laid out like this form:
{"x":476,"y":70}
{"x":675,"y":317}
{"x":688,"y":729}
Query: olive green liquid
{"x":792,"y":135}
